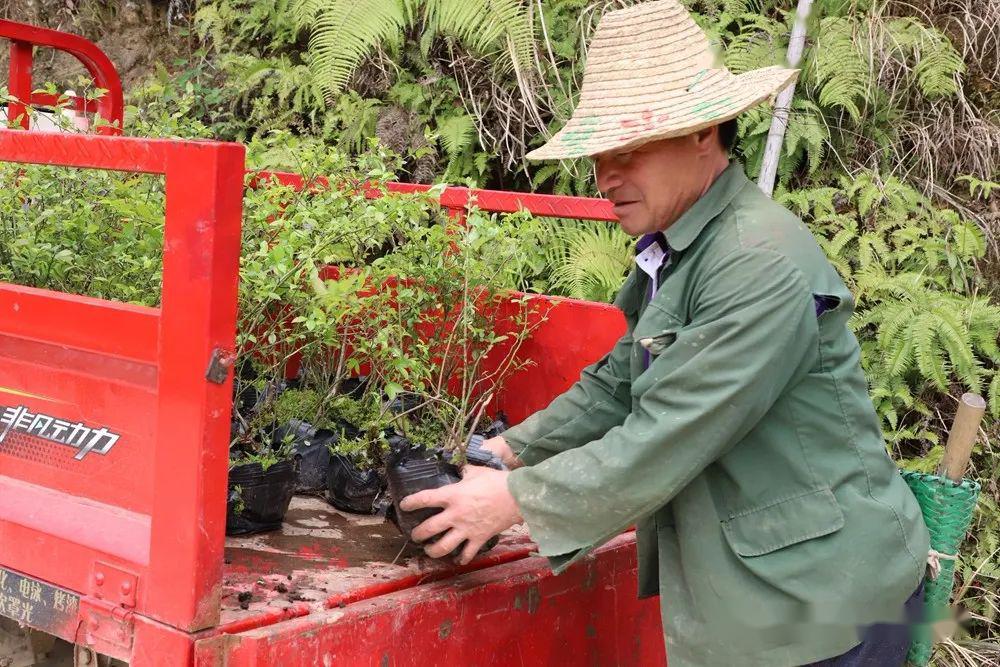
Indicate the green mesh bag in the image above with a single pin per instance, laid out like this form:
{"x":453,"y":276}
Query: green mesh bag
{"x":947,"y":507}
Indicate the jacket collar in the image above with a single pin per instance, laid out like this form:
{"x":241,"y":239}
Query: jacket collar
{"x":686,"y":229}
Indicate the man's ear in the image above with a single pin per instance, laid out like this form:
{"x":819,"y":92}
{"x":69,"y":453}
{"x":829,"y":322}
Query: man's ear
{"x":707,"y":139}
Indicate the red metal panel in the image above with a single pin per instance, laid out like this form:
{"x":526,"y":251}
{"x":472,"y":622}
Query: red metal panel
{"x":80,"y":322}
{"x":23,"y":37}
{"x":125,"y":534}
{"x":158,"y":645}
{"x":158,"y":495}
{"x":78,"y":388}
{"x":569,"y":334}
{"x":515,"y":614}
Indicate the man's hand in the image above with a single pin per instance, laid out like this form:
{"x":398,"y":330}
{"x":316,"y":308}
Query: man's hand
{"x":502,"y":450}
{"x":474,"y":510}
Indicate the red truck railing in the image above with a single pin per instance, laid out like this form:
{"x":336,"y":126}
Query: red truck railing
{"x":23,"y":40}
{"x":571,"y":333}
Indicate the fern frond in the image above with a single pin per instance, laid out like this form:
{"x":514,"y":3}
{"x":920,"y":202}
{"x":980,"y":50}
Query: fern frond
{"x":984,"y":329}
{"x":892,"y":320}
{"x":954,"y":340}
{"x":484,"y":25}
{"x":342,"y":32}
{"x":867,"y":193}
{"x":841,"y":239}
{"x":841,"y":70}
{"x":993,"y":396}
{"x":979,"y":188}
{"x":937,"y":64}
{"x":761,"y":42}
{"x":929,"y":361}
{"x":589,"y":259}
{"x":900,"y":359}
{"x":543,"y":174}
{"x":968,"y":241}
{"x":456,"y":133}
{"x":806,"y":136}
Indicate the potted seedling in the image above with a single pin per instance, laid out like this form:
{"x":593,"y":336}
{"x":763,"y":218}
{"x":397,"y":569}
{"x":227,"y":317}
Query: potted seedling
{"x":435,"y":350}
{"x":262,"y":470}
{"x":284,"y":249}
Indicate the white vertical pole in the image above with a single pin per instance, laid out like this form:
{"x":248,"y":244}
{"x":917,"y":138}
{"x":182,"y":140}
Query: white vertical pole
{"x":779,"y":123}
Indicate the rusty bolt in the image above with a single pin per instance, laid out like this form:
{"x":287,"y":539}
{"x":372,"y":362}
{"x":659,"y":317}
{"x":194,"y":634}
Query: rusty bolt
{"x":99,"y":578}
{"x":126,"y":587}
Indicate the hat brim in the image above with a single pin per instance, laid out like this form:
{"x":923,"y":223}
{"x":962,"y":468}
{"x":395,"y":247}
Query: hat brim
{"x":610,"y":124}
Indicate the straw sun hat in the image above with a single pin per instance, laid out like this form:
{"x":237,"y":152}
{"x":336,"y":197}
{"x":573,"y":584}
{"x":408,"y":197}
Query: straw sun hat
{"x":651,"y":74}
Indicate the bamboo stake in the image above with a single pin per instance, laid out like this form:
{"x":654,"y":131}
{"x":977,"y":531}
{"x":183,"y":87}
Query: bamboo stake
{"x":779,"y":123}
{"x":962,"y":437}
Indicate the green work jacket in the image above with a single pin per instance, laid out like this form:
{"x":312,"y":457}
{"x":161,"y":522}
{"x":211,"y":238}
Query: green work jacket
{"x":746,"y":450}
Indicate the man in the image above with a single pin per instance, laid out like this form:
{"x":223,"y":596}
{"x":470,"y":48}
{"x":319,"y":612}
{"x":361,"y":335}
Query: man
{"x":731,"y":423}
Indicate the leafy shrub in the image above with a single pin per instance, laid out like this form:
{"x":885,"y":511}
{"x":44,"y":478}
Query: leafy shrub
{"x":83,"y":232}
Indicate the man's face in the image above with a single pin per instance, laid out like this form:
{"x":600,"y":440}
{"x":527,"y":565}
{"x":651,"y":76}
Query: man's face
{"x":651,"y":186}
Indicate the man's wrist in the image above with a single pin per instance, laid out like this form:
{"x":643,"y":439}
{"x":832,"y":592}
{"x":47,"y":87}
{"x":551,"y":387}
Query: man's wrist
{"x":499,"y":446}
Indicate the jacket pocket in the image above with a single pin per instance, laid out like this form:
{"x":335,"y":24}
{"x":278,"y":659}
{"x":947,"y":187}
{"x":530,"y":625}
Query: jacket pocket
{"x":761,"y":530}
{"x":656,"y":343}
{"x":656,"y":330}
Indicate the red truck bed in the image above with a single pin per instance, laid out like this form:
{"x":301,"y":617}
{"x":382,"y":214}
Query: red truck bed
{"x":354,"y":593}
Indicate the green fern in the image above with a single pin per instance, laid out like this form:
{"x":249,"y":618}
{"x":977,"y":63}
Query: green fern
{"x":343,"y":32}
{"x":936,"y":62}
{"x":979,"y":188}
{"x":235,"y":25}
{"x":933,"y":333}
{"x":805,"y":142}
{"x":922,"y":324}
{"x":842,"y":66}
{"x":589,"y":259}
{"x":456,"y":133}
{"x":483,"y":25}
{"x":842,"y":71}
{"x":761,"y":41}
{"x":352,"y":124}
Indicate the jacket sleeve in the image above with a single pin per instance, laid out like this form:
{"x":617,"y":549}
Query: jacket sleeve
{"x":596,"y":403}
{"x":753,"y":334}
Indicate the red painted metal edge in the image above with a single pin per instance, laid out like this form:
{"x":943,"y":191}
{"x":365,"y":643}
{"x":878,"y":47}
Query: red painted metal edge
{"x":198,"y":320}
{"x":496,"y":201}
{"x":260,"y":620}
{"x":83,"y":322}
{"x":25,"y":37}
{"x":518,"y":613}
{"x":60,"y":515}
{"x":386,"y":588}
{"x":145,"y":156}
